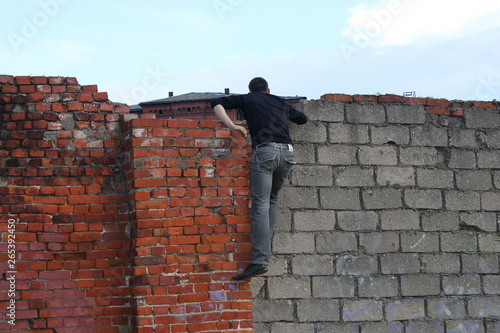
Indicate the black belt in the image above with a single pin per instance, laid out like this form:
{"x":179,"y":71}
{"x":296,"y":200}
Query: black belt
{"x":275,"y":145}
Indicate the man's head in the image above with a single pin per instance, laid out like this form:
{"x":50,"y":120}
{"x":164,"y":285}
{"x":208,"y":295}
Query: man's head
{"x":258,"y":84}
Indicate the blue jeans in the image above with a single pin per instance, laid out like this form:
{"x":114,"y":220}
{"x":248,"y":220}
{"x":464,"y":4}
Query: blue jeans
{"x":271,"y":163}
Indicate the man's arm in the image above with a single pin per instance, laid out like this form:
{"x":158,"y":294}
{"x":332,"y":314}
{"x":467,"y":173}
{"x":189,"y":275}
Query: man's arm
{"x":296,"y":116}
{"x":220,"y":111}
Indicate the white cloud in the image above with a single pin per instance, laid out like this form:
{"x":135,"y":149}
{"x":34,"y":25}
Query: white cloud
{"x":402,"y":22}
{"x":462,"y":68}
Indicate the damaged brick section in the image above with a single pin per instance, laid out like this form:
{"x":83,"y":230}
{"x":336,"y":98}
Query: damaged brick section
{"x":123,"y":224}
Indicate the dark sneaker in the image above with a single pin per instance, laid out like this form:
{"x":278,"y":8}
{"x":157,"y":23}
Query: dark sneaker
{"x":251,"y":271}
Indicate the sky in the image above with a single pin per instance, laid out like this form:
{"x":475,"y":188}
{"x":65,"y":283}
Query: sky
{"x":140,"y":50}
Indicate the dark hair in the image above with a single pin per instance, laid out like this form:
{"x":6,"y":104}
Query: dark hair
{"x":258,"y":84}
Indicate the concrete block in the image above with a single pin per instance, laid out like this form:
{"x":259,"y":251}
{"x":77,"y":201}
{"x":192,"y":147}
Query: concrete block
{"x":492,"y":139}
{"x":378,"y":155}
{"x":435,"y":178}
{"x":446,"y":308}
{"x":490,"y":201}
{"x":391,"y":176}
{"x":357,"y":220}
{"x":312,"y":265}
{"x":462,"y":159}
{"x":346,"y":133}
{"x":289,"y":287}
{"x":260,"y":327}
{"x":339,"y":198}
{"x":354,"y":177}
{"x":405,"y":310}
{"x":465,"y":325}
{"x":420,"y":285}
{"x":318,"y":310}
{"x":268,"y":311}
{"x":489,"y":243}
{"x":481,"y":221}
{"x":423,"y":199}
{"x":401,"y":219}
{"x":324,"y":110}
{"x":429,"y":136}
{"x":488,"y":159}
{"x":283,"y":219}
{"x":406,"y":114}
{"x":461,"y":138}
{"x":278,"y":266}
{"x":474,"y":180}
{"x":463,"y":241}
{"x":480,"y":263}
{"x":385,"y":198}
{"x":333,"y":286}
{"x":400,"y":263}
{"x":384,"y":327}
{"x":300,"y":242}
{"x":304,"y":153}
{"x":491,"y":284}
{"x":337,"y":155}
{"x":418,"y":156}
{"x":421,"y":242}
{"x":365,"y":113}
{"x":399,"y":135}
{"x":292,"y":327}
{"x":443,"y":263}
{"x":376,"y":287}
{"x":299,"y":197}
{"x":462,"y":200}
{"x":311,"y":132}
{"x":336,"y":242}
{"x":379,"y":242}
{"x":312,"y":175}
{"x":493,"y":326}
{"x":317,"y":220}
{"x":336,"y":327}
{"x":483,"y":307}
{"x":469,"y":284}
{"x":257,"y":287}
{"x":477,"y":118}
{"x":440,"y":221}
{"x":364,"y":310}
{"x":496,"y":179}
{"x":356,"y":265}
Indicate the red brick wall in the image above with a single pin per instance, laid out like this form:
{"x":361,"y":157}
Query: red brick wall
{"x":187,"y":183}
{"x":121,"y":225}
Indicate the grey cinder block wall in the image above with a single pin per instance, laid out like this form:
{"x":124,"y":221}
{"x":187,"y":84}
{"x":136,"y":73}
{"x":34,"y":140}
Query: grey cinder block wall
{"x":389,"y":222}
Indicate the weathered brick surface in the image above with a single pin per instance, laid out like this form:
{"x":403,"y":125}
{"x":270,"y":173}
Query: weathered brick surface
{"x":123,"y":224}
{"x":61,"y":180}
{"x":389,"y":222}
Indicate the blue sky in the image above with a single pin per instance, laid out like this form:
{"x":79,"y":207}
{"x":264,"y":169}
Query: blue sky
{"x":141,"y":50}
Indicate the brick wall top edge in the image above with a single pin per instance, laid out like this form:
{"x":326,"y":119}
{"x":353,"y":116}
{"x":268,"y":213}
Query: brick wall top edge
{"x":26,"y":79}
{"x":426,"y":101}
{"x":43,"y":88}
{"x":139,"y":122}
{"x":455,"y":106}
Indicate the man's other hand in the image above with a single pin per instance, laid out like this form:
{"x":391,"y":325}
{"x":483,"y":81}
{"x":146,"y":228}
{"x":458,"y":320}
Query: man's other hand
{"x":241,"y":129}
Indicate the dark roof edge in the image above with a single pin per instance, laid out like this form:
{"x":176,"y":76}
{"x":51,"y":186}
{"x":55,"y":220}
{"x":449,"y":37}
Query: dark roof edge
{"x":202,"y":97}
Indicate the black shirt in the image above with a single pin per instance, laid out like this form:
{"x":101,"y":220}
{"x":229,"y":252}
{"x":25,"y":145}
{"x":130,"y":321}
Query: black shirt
{"x":266,"y":115}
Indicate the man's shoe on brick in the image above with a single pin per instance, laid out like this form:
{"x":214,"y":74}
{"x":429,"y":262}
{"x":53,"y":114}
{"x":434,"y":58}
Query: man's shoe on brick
{"x":251,"y":271}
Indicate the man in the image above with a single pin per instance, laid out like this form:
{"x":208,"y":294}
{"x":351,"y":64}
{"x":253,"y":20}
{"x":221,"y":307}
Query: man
{"x":267,"y":117}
